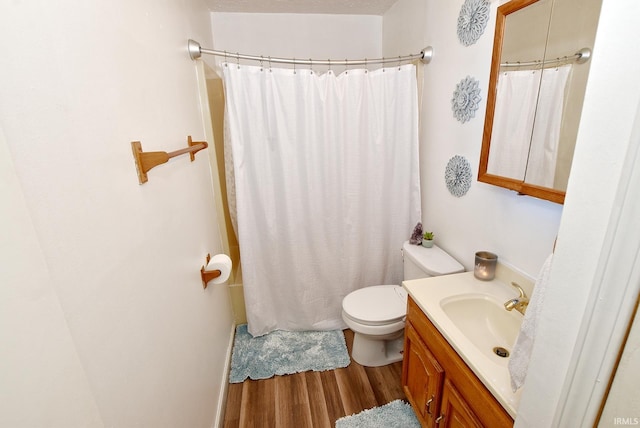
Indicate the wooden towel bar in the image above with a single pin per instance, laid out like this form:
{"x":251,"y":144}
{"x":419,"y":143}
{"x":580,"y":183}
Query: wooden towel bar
{"x":148,"y":160}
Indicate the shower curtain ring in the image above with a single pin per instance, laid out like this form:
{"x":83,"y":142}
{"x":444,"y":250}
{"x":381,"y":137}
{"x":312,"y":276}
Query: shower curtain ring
{"x":311,"y":65}
{"x":329,"y":65}
{"x":565,"y":61}
{"x":346,"y":66}
{"x":366,"y":70}
{"x":269,"y":63}
{"x":261,"y":59}
{"x":383,"y":69}
{"x":238,"y":59}
{"x":226,"y":64}
{"x":294,"y":65}
{"x":399,"y":62}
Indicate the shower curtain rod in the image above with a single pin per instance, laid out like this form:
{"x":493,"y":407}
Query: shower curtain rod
{"x":580,"y":57}
{"x":196,"y":51}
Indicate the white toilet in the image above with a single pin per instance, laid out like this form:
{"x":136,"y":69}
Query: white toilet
{"x":377,"y":314}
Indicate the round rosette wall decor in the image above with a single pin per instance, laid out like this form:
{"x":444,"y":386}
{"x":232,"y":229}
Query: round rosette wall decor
{"x":466,"y":99}
{"x":472,"y":21}
{"x":457,"y":175}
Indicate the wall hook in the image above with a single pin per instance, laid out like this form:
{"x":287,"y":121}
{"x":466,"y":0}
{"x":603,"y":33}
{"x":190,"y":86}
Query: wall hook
{"x":148,"y":160}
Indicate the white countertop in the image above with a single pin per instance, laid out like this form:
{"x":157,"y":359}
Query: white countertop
{"x":490,"y":369}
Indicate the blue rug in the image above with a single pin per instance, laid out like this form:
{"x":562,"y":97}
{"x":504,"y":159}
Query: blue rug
{"x":285,"y":352}
{"x":396,"y":414}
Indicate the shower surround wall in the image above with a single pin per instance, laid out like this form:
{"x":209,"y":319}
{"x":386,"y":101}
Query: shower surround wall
{"x":103,"y":318}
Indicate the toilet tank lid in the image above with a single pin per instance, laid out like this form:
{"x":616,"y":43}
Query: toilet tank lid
{"x":433,"y":261}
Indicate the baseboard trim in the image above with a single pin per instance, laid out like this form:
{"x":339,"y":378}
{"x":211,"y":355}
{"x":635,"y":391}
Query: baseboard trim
{"x":224,"y":387}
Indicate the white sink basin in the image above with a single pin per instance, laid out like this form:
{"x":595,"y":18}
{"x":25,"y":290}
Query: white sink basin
{"x":470,"y":314}
{"x":484,"y":321}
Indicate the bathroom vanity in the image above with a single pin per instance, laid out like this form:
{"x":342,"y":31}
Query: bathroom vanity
{"x":454,"y":370}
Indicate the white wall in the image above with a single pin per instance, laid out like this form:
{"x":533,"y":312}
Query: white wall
{"x":582,"y":257}
{"x":104,"y":319}
{"x":302,"y":36}
{"x":41,"y":376}
{"x":403,"y":28}
{"x":520,"y":229}
{"x":504,"y":220}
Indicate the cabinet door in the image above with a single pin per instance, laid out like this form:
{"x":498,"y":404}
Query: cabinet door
{"x":455,"y":413}
{"x":422,"y":378}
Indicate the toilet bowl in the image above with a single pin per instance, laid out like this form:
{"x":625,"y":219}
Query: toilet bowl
{"x":376,"y":314}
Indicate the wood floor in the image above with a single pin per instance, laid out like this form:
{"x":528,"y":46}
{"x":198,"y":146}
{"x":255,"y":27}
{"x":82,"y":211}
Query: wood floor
{"x":312,"y":399}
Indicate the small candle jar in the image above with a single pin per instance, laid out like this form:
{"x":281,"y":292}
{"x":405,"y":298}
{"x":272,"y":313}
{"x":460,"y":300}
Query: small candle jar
{"x":485,"y":267}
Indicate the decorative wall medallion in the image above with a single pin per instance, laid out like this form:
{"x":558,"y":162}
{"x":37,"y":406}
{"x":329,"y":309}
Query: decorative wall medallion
{"x":466,"y":99}
{"x":457,"y":175}
{"x":472,"y":21}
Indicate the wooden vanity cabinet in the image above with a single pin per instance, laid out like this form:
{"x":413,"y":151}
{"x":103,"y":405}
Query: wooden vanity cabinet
{"x":442,"y":389}
{"x":423,"y":383}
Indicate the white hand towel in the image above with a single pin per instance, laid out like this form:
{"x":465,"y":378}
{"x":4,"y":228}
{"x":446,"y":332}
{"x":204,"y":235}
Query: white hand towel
{"x":521,"y":353}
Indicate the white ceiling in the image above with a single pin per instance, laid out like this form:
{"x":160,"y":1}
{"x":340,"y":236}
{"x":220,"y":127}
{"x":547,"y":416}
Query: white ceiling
{"x":349,"y":7}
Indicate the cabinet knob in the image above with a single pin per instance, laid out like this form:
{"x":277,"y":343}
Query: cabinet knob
{"x":439,"y":419}
{"x":428,"y":405}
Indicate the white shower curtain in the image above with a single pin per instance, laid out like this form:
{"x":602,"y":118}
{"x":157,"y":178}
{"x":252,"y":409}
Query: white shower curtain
{"x":526,"y":124}
{"x":545,"y":138}
{"x":327,"y":187}
{"x":514,"y":112}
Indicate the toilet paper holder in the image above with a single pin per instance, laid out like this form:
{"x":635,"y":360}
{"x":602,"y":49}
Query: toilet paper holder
{"x":208,"y":275}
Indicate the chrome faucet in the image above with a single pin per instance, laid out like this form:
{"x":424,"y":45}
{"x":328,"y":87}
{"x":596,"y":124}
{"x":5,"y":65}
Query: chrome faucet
{"x":519,"y":303}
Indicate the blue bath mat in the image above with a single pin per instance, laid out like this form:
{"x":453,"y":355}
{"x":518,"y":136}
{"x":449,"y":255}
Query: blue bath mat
{"x":286,"y":352}
{"x":396,"y":414}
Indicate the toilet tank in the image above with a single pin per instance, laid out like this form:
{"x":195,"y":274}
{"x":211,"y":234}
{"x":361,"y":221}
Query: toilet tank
{"x":421,"y":262}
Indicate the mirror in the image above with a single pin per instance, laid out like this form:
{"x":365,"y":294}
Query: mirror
{"x":539,"y":71}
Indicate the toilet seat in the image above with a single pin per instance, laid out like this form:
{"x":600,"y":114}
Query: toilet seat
{"x":376,"y":305}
